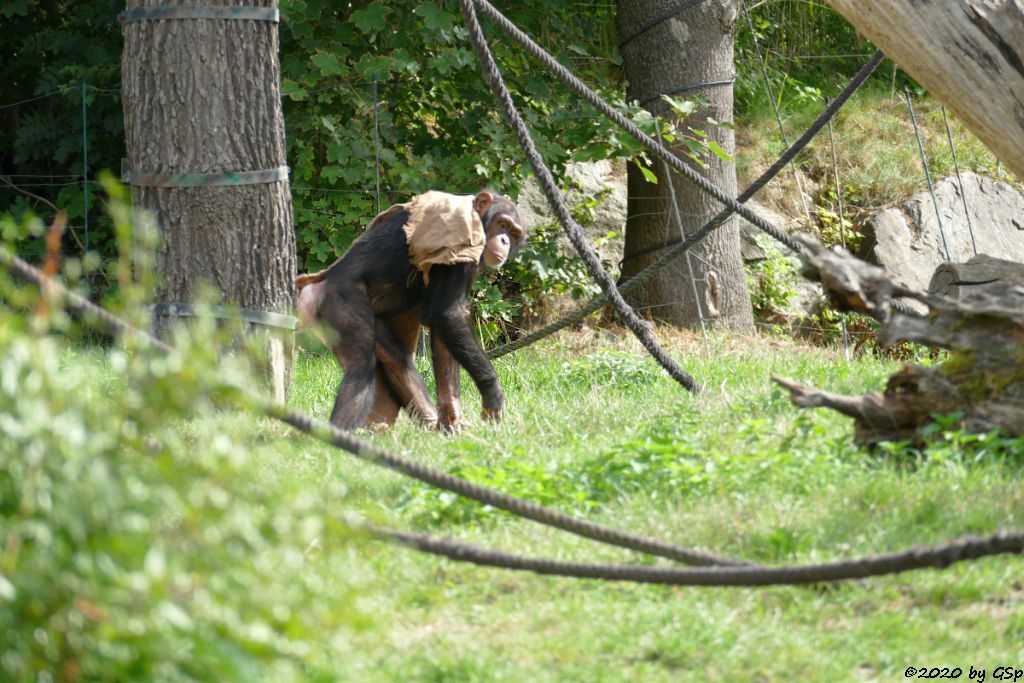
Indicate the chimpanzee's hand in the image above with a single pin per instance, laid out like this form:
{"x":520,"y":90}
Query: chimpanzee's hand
{"x":494,"y":406}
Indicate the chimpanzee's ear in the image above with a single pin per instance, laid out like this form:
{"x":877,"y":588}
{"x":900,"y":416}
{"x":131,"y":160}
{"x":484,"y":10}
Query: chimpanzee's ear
{"x":482,"y":202}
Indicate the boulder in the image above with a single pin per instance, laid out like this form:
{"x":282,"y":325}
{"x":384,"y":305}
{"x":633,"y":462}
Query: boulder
{"x":907,"y":242}
{"x":602,"y":179}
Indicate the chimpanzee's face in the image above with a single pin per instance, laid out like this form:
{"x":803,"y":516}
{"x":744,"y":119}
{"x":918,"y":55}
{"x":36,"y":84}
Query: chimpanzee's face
{"x":502,"y":225}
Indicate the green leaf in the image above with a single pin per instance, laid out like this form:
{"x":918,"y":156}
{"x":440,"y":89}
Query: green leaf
{"x":328,"y":63}
{"x":648,"y":174}
{"x":371,"y":19}
{"x":717,"y":150}
{"x":293,"y":90}
{"x":434,"y":17}
{"x":681,"y":107}
{"x":15,"y":7}
{"x":375,"y":65}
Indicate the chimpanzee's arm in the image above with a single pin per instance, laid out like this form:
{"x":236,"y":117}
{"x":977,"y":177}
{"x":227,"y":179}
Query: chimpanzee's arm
{"x":446,"y":311}
{"x":446,"y":377}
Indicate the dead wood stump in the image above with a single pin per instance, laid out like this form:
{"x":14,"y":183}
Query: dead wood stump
{"x":983,"y":328}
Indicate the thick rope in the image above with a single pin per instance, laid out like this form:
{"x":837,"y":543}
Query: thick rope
{"x":653,"y":145}
{"x":728,"y":573}
{"x":938,"y":557}
{"x":694,"y":238}
{"x":639,"y":327}
{"x":327,"y":433}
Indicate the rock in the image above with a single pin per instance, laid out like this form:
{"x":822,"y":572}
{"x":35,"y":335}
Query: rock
{"x":957,"y":280}
{"x":601,"y":179}
{"x":750,"y":235}
{"x":907,"y":241}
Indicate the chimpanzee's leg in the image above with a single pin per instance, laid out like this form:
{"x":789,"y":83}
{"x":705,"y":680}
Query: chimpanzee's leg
{"x":385,"y":406}
{"x":396,"y":347}
{"x":446,"y":376}
{"x":446,"y":311}
{"x":352,"y":318}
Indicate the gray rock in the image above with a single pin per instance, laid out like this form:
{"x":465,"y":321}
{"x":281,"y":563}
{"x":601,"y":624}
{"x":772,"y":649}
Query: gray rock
{"x":602,"y":179}
{"x":751,"y":236}
{"x":907,"y":241}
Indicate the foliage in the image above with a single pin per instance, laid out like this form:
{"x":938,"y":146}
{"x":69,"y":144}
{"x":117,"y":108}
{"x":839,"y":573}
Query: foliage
{"x":772,"y":282}
{"x":807,"y":47}
{"x":949,"y":444}
{"x":51,"y":50}
{"x":136,"y":543}
{"x":351,"y":84}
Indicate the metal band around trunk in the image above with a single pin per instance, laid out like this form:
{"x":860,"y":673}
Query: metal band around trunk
{"x":199,"y":12}
{"x":270,"y":175}
{"x":267,"y":319}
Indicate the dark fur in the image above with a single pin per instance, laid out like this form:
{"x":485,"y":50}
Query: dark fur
{"x":375,"y":301}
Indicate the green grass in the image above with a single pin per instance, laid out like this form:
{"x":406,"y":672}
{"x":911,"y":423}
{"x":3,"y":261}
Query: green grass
{"x":739,"y":471}
{"x":593,"y":427}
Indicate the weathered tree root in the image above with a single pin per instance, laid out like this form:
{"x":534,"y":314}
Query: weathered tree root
{"x":983,"y":327}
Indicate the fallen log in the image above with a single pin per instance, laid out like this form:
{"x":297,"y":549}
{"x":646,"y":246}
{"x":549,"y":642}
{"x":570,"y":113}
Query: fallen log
{"x":982,"y":382}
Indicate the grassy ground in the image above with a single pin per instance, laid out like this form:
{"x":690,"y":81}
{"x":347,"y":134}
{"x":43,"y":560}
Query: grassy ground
{"x":593,"y":427}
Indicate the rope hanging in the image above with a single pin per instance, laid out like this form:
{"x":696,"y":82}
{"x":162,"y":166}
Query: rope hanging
{"x":693,"y":239}
{"x":639,"y":327}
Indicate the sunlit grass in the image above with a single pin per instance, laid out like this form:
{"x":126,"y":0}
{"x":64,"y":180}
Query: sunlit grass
{"x":735,"y":470}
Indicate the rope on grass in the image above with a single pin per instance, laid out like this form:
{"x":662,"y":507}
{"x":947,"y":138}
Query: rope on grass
{"x":937,"y":557}
{"x":639,"y":327}
{"x":727,"y":573}
{"x":681,"y":247}
{"x":329,"y":434}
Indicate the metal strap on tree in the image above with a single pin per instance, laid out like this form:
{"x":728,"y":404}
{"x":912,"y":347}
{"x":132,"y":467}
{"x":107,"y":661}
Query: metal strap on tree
{"x":264,"y":318}
{"x":163,"y":12}
{"x":689,"y":88}
{"x":144,"y":179}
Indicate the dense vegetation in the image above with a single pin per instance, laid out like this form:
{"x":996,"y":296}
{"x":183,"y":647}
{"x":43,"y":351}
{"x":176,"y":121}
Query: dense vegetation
{"x":152,"y":528}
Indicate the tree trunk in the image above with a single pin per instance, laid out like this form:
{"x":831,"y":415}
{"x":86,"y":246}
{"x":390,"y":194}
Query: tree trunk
{"x":693,"y":47}
{"x":202,"y":96}
{"x":968,"y":53}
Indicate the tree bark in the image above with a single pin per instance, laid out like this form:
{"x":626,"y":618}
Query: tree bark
{"x":693,"y":47}
{"x":203,"y":96}
{"x":968,"y":53}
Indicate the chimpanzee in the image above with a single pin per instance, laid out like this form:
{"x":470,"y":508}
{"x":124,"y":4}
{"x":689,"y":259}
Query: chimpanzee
{"x":413,"y":266}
